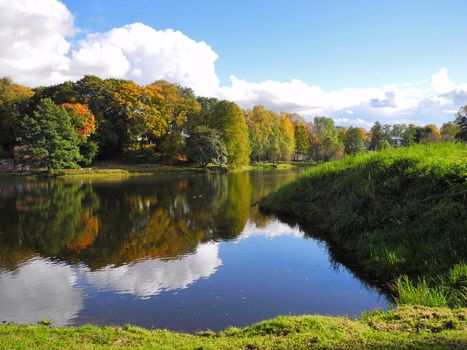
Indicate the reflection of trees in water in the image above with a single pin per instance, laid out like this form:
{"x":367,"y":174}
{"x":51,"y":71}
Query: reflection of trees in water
{"x":114,"y":223}
{"x":45,"y":217}
{"x":166,"y":218}
{"x":110,"y":223}
{"x":265,"y":182}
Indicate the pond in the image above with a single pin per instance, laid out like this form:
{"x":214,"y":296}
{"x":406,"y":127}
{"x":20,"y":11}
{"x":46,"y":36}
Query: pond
{"x":184,"y":252}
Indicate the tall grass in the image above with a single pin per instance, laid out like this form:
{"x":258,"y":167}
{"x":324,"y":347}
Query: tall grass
{"x":445,"y":290}
{"x":399,"y":211}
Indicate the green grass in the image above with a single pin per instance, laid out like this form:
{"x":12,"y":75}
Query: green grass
{"x":282,"y":166}
{"x":112,"y":169}
{"x":92,"y":172}
{"x":396,"y":212}
{"x":448,"y":290}
{"x":402,"y":328}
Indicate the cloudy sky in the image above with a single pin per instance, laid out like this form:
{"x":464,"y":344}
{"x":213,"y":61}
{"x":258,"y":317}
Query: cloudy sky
{"x":356,"y":61}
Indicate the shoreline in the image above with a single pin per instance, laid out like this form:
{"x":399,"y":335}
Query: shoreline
{"x":403,"y":327}
{"x":123,"y":170}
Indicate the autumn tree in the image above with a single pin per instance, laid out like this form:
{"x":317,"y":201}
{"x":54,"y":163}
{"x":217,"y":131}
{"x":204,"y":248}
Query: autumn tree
{"x":178,"y":106}
{"x":12,"y":100}
{"x":146,"y":121}
{"x":49,"y":139}
{"x":229,"y":120}
{"x":82,"y":118}
{"x":84,"y":123}
{"x":342,"y":133}
{"x":98,"y":95}
{"x":325,"y":140}
{"x":287,"y":137}
{"x":302,"y":139}
{"x":428,"y":134}
{"x":261,"y":124}
{"x":353,"y":141}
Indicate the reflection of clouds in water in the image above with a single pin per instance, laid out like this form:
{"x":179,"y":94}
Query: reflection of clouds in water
{"x":150,"y":277}
{"x":40,"y":289}
{"x":272,"y":229}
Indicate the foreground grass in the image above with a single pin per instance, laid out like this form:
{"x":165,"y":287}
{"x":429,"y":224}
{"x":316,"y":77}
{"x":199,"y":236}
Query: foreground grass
{"x":402,"y":328}
{"x":400,"y":212}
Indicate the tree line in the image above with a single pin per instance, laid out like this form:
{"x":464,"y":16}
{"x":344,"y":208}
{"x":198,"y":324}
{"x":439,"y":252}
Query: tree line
{"x":73,"y":123}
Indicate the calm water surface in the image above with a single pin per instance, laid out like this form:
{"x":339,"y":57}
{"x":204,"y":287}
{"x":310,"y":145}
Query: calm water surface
{"x":183,"y":252}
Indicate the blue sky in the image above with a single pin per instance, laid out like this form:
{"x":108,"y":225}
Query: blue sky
{"x":356,"y":61}
{"x":334,"y":44}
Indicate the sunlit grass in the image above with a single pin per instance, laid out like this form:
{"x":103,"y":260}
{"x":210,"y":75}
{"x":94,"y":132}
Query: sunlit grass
{"x":402,"y":328}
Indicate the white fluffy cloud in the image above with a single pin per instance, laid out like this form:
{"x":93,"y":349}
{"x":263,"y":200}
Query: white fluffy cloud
{"x":33,"y":43}
{"x":430,"y":101}
{"x":441,"y":82}
{"x":37,"y":48}
{"x":143,"y":54}
{"x":151,"y":277}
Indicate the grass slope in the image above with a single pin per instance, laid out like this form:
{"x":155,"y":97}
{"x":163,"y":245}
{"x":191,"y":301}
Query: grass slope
{"x":395,"y":212}
{"x":402,"y":328}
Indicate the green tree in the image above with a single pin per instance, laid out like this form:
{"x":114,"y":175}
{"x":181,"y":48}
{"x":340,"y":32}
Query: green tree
{"x":205,"y":146}
{"x":302,"y":139}
{"x":376,"y":136}
{"x":449,"y":131}
{"x":325,"y":140}
{"x":342,"y":133}
{"x":261,"y":123}
{"x":409,"y":135}
{"x":112,"y":127}
{"x":384,"y":144}
{"x":202,"y":115}
{"x":353,"y":142}
{"x":461,"y":120}
{"x":229,"y":120}
{"x":398,"y":130}
{"x":48,"y":138}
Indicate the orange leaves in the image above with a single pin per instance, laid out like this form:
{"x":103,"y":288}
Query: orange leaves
{"x":141,"y":105}
{"x":363,"y":132}
{"x":90,"y":226}
{"x":82,"y":118}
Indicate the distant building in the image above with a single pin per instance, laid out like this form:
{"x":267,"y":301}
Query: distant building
{"x":396,"y":141}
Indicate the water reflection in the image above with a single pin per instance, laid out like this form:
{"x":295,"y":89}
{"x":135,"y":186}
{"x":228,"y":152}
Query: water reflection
{"x":38,"y":290}
{"x":150,"y":277}
{"x":170,"y":251}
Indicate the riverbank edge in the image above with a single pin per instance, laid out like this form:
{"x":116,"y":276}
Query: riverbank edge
{"x":406,"y":327}
{"x":332,"y":202}
{"x":126,"y":170}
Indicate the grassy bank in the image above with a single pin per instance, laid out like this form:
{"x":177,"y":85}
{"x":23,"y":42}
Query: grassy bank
{"x":112,"y":169}
{"x":397,"y":212}
{"x":403,"y":328}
